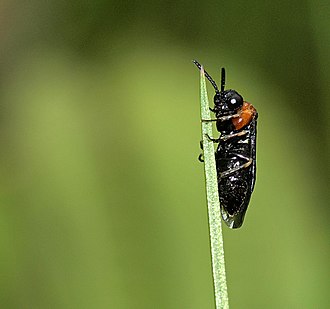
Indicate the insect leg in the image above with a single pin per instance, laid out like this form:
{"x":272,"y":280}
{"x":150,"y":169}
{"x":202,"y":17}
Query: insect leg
{"x":209,"y":120}
{"x":223,"y":118}
{"x":200,"y":157}
{"x":227,"y":137}
{"x":235,"y":169}
{"x":214,"y":140}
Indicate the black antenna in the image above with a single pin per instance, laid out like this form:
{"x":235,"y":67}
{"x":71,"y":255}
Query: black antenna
{"x":223,"y":79}
{"x":198,"y":65}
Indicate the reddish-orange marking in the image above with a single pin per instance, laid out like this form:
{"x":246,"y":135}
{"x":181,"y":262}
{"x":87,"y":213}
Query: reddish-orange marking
{"x":246,"y":113}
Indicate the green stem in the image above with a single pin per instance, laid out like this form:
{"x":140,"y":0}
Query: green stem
{"x":212,"y":194}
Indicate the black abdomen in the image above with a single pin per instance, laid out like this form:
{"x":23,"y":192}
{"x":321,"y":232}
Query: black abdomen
{"x":235,"y":186}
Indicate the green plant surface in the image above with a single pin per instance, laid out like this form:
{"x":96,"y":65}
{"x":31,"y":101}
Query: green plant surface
{"x":213,"y":205}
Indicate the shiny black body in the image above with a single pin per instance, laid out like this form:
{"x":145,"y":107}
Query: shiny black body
{"x":235,"y":187}
{"x":235,"y":155}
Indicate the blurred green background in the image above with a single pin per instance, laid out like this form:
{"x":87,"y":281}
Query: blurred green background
{"x":102,"y":196}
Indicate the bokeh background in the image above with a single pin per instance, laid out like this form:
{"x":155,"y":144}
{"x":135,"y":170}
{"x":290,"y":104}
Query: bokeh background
{"x":102,"y":196}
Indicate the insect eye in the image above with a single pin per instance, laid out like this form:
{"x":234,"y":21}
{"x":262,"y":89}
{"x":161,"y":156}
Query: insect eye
{"x":234,"y":100}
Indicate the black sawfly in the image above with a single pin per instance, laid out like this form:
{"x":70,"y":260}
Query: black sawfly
{"x":235,"y":156}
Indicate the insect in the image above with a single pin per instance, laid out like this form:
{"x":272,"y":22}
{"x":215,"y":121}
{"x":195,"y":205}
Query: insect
{"x":235,"y":156}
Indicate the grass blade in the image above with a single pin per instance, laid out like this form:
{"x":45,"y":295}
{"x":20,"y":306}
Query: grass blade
{"x":216,"y":239}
